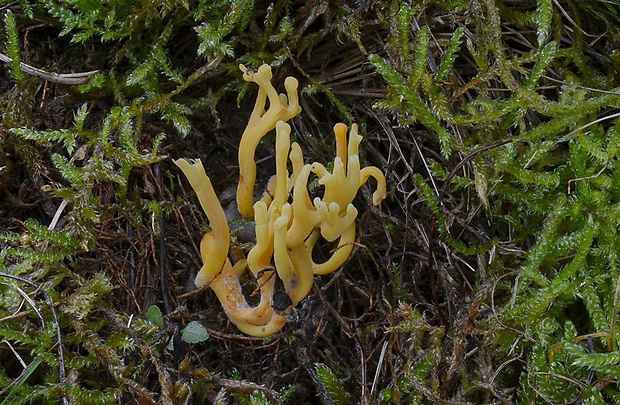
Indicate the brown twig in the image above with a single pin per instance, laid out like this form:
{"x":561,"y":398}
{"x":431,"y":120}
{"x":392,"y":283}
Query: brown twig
{"x":468,"y":158}
{"x":62,"y":78}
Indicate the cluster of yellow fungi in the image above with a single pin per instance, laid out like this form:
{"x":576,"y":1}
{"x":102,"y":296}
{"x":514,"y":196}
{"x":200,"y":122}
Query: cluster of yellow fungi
{"x":288,"y":223}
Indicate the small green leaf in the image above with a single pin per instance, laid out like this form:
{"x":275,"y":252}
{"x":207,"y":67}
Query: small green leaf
{"x":154,"y":315}
{"x":194,"y":332}
{"x":80,"y":117}
{"x":332,"y":385}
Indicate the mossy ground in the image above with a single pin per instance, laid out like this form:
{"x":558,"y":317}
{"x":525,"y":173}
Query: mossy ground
{"x":488,"y":275}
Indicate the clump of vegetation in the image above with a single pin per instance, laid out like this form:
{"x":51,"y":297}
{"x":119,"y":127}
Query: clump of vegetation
{"x":534,"y":133}
{"x":489,"y":275}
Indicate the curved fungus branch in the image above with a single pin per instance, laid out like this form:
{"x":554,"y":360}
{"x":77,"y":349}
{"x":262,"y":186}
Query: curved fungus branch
{"x":339,"y":255}
{"x":259,"y":257}
{"x":260,"y":320}
{"x":302,"y":263}
{"x":381,"y":191}
{"x":228,"y":290}
{"x":274,"y":325}
{"x":281,"y":108}
{"x":200,"y":182}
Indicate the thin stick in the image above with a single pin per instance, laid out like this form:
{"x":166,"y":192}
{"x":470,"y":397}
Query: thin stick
{"x":378,"y":370}
{"x":614,"y":316}
{"x":62,"y":78}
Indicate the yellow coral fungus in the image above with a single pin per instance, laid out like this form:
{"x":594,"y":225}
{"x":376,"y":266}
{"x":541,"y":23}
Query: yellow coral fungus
{"x":227,"y":287}
{"x":281,"y":108}
{"x":200,"y":182}
{"x":306,"y":216}
{"x":288,"y":225}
